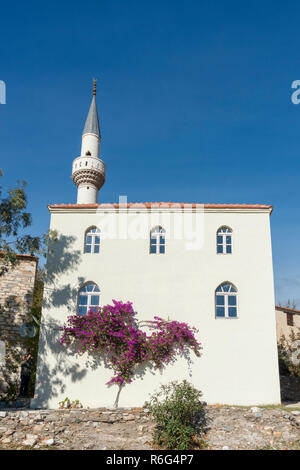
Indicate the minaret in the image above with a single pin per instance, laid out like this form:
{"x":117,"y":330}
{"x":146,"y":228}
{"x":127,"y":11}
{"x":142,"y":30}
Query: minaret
{"x":88,"y":171}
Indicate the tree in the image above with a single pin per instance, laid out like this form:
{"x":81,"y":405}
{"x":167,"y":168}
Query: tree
{"x":14,"y":219}
{"x":113,"y":330}
{"x":36,"y":314}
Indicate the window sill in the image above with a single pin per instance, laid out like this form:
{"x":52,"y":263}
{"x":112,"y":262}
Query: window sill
{"x":226,"y":318}
{"x":224,"y":254}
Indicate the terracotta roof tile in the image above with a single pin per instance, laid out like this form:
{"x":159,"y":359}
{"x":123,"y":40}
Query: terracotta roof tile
{"x":285,"y":309}
{"x":24,"y":256}
{"x":163,"y":205}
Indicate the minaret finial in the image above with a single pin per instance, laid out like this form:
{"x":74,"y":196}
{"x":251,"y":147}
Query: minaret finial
{"x":92,"y":122}
{"x":94,"y":86}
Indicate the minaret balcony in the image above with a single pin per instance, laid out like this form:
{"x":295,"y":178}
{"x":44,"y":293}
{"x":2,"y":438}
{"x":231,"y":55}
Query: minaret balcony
{"x":88,"y":162}
{"x":88,"y":169}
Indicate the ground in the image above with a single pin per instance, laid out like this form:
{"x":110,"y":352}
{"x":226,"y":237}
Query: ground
{"x":228,"y":427}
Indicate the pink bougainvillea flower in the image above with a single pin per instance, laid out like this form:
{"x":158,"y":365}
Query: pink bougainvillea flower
{"x":113,"y":329}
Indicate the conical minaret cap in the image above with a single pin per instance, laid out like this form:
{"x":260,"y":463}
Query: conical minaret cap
{"x":92,"y":121}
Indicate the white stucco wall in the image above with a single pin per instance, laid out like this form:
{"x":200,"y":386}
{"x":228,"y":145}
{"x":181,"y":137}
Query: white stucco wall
{"x":90,"y":143}
{"x":239,"y":358}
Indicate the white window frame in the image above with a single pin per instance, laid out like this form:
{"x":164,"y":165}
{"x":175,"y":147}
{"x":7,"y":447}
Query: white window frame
{"x":224,"y":232}
{"x":233,"y":292}
{"x":92,"y":232}
{"x":88,"y":294}
{"x":156,"y":233}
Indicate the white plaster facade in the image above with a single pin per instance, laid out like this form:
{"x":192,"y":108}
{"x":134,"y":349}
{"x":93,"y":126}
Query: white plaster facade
{"x":239,"y":359}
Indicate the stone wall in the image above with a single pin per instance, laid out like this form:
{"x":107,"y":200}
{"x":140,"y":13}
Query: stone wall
{"x":132,"y":429}
{"x":290,"y":388}
{"x":283,"y":328}
{"x":16,"y":293}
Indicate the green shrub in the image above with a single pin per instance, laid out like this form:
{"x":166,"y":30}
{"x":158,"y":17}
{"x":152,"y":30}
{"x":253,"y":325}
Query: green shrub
{"x":287,"y":350}
{"x":178,"y":413}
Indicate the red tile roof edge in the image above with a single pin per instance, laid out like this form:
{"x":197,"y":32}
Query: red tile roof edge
{"x":285,"y":309}
{"x":24,"y":256}
{"x":163,"y":205}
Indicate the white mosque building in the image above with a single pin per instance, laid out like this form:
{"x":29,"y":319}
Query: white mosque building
{"x":209,"y":265}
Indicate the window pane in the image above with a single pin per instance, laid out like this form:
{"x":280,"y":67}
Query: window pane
{"x":220,"y":249}
{"x":228,"y":249}
{"x":161,"y":240}
{"x":95,"y":300}
{"x":88,"y":239}
{"x":220,"y":311}
{"x":162,"y":248}
{"x":82,"y":310}
{"x":96,"y":288}
{"x":220,"y":239}
{"x":97,"y":240}
{"x":226,"y":287}
{"x":153,"y":241}
{"x":96,"y":248}
{"x":231,"y":300}
{"x":88,"y":248}
{"x":89,"y":287}
{"x":153,"y":249}
{"x":228,"y":239}
{"x":82,"y":300}
{"x":232,"y":311}
{"x":220,"y":300}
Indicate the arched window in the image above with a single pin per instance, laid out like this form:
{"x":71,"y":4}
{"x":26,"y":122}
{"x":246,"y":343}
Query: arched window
{"x":226,"y":301}
{"x":157,"y":240}
{"x":88,"y":296}
{"x":92,"y":240}
{"x":224,"y":240}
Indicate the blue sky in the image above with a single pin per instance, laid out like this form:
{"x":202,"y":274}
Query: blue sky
{"x":194,"y":101}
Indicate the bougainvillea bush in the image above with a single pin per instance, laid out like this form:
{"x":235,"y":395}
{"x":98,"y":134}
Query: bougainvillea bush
{"x":114,"y":331}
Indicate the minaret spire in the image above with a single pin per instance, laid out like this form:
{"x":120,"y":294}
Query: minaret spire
{"x":92,"y":121}
{"x":88,"y":171}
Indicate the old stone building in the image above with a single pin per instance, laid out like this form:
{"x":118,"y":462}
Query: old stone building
{"x":16,"y":294}
{"x":287,"y":321}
